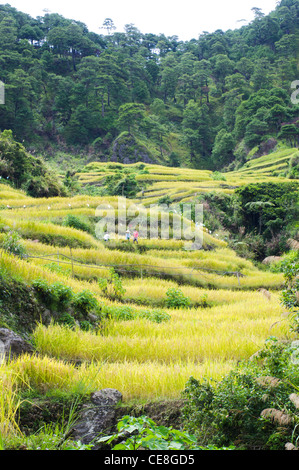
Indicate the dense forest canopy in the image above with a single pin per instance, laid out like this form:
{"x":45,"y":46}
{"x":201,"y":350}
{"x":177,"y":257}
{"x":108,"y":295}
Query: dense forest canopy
{"x":206,"y":102}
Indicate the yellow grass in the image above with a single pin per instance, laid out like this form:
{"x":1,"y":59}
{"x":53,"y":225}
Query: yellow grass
{"x":134,"y":380}
{"x":9,"y":401}
{"x":142,"y":359}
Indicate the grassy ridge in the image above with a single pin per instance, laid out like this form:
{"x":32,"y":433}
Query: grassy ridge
{"x":182,"y":183}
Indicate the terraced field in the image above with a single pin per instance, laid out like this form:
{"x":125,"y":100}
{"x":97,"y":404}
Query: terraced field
{"x":182,"y":184}
{"x":233,"y":306}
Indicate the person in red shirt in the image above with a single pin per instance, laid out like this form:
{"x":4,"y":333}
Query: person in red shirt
{"x":135,"y":235}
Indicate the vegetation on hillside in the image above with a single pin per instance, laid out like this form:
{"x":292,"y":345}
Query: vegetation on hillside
{"x":130,"y":96}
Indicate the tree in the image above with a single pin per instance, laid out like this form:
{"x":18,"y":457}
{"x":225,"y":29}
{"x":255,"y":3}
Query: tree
{"x":108,"y":24}
{"x":255,"y":131}
{"x":129,"y":114}
{"x":223,"y":67}
{"x":268,"y":204}
{"x":290,"y":132}
{"x":258,"y":14}
{"x":277,"y":115}
{"x":8,"y":33}
{"x":197,"y":131}
{"x":120,"y":184}
{"x":257,"y":208}
{"x":32,"y":33}
{"x":222,"y":153}
{"x":169,"y":76}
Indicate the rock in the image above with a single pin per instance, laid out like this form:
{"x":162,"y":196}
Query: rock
{"x":126,"y":149}
{"x":97,"y":417}
{"x":13,"y":345}
{"x":290,"y":446}
{"x":271,"y":259}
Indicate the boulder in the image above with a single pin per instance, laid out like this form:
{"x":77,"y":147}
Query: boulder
{"x":97,"y":417}
{"x":290,"y":446}
{"x":13,"y":345}
{"x":271,"y":259}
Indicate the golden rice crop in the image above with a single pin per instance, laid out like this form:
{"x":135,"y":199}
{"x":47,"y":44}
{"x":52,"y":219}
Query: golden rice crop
{"x":134,"y":380}
{"x":9,"y":401}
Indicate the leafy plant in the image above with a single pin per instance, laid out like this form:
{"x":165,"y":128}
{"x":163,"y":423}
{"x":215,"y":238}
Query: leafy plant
{"x":112,"y":287}
{"x":290,"y":295}
{"x":156,"y":316}
{"x":54,"y":267}
{"x":85,"y":302}
{"x":66,"y":319}
{"x":56,"y":296}
{"x":78,"y":223}
{"x":12,"y":243}
{"x":143,"y":433}
{"x":176,"y":299}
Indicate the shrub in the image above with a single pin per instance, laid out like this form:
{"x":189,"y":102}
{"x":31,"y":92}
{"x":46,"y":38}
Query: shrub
{"x":78,"y":223}
{"x":54,"y":267}
{"x":176,"y":299}
{"x":12,"y":244}
{"x":126,"y":313}
{"x":156,"y":316}
{"x":27,"y":171}
{"x":123,"y":313}
{"x":218,"y":176}
{"x":230,"y":411}
{"x":112,"y":287}
{"x":143,"y":433}
{"x":63,"y":294}
{"x":56,"y":296}
{"x":44,"y":292}
{"x":70,"y":309}
{"x":290,"y":295}
{"x":85,"y":302}
{"x":67,"y":320}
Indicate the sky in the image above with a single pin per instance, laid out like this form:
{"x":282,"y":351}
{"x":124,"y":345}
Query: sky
{"x":186,"y":19}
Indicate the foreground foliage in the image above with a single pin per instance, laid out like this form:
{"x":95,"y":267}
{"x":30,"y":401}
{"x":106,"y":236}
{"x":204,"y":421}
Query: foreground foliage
{"x":256,"y":404}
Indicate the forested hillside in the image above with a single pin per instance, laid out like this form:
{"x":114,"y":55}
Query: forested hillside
{"x":128,"y":97}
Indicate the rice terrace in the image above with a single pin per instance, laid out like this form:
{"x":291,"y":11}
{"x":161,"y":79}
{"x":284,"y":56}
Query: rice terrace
{"x":149,"y":244}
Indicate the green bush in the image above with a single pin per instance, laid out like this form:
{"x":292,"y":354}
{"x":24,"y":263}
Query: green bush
{"x":27,"y":171}
{"x":229,"y":411}
{"x":144,"y":433}
{"x":57,"y":296}
{"x":176,"y":299}
{"x":126,"y":313}
{"x":156,"y":316}
{"x":290,"y":295}
{"x":12,"y":243}
{"x":112,"y":287}
{"x":122,"y":313}
{"x":69,"y":308}
{"x":85,"y":302}
{"x":67,"y":320}
{"x":78,"y":223}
